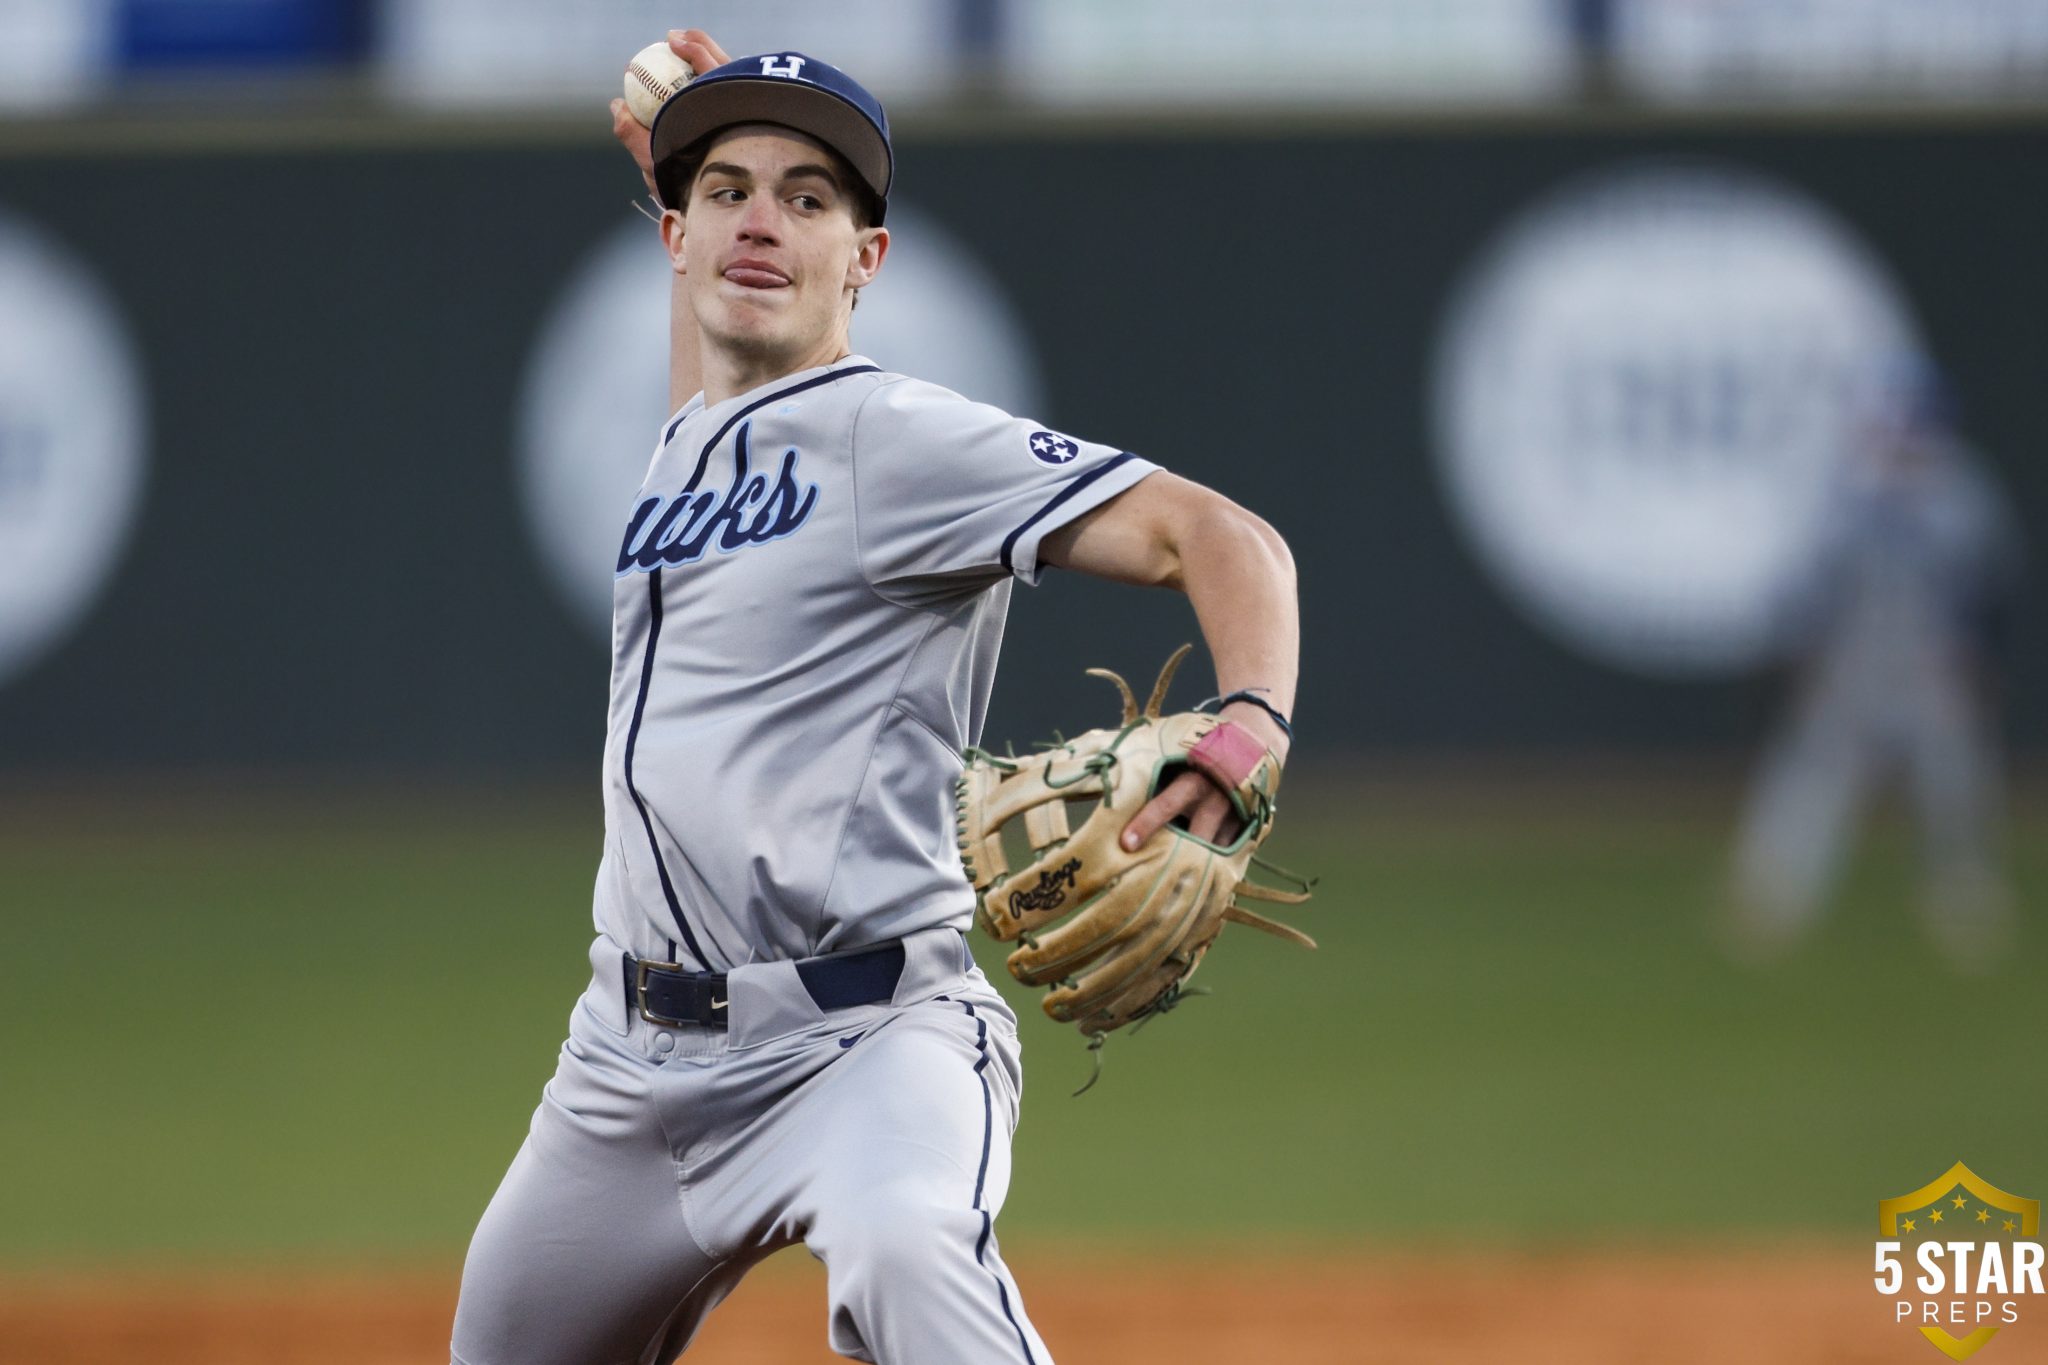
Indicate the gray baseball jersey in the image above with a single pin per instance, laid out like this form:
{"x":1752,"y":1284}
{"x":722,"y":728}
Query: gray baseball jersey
{"x":811,"y":593}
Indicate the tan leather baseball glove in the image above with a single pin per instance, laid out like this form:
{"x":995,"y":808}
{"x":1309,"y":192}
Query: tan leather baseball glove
{"x":1116,"y":933}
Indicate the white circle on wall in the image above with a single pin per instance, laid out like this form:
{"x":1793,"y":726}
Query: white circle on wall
{"x":1642,"y":390}
{"x":595,"y":393}
{"x":71,"y":442}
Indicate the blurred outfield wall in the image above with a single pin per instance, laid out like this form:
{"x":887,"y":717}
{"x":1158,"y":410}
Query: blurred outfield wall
{"x":329,"y":549}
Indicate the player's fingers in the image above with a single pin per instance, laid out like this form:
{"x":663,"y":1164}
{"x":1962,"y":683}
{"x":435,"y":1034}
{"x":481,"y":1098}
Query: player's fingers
{"x":1178,"y":798}
{"x":696,"y":47}
{"x":1213,"y":817}
{"x":627,"y":129}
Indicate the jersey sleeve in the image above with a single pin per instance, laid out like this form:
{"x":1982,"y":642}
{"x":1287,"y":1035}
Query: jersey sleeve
{"x":952,"y":495}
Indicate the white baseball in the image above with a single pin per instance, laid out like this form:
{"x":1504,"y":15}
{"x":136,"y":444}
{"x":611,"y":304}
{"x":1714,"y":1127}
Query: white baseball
{"x":654,"y":74}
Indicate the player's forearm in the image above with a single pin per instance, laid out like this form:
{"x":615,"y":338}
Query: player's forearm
{"x":1168,"y":532}
{"x":1239,"y":576}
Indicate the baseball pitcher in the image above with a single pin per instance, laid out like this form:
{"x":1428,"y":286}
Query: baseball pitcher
{"x":784,"y":1039}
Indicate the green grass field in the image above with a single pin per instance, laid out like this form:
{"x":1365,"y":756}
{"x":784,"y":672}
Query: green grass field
{"x":237,"y":1029}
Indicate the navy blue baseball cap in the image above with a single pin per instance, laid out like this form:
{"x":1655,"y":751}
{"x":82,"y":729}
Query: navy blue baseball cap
{"x":788,"y":88}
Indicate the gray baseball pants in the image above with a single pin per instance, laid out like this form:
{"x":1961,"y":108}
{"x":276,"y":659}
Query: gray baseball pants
{"x":664,"y":1162}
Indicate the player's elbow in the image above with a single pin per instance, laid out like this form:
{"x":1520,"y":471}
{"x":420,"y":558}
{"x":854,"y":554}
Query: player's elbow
{"x":1222,"y":537}
{"x":1279,"y":559}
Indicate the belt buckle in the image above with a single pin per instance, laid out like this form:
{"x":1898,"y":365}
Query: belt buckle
{"x":641,"y":968}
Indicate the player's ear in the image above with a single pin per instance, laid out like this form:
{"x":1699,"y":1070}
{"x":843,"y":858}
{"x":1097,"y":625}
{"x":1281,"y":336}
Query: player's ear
{"x":673,"y":229}
{"x":867,"y":257}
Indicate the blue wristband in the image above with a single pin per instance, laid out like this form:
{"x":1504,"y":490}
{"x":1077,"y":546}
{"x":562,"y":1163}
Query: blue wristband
{"x":1246,"y":694}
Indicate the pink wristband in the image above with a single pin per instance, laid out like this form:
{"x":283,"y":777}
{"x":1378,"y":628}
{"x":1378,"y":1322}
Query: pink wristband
{"x":1227,"y":755}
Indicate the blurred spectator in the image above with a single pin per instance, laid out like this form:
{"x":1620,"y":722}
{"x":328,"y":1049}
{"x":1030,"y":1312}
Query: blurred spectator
{"x":1592,"y":24}
{"x":1897,"y":636}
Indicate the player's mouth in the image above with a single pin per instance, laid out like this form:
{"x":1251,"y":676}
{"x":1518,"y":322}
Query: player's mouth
{"x":753,"y":274}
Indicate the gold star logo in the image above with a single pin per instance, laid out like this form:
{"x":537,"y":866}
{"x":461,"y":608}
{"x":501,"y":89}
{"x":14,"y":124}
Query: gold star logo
{"x":1959,"y":1193}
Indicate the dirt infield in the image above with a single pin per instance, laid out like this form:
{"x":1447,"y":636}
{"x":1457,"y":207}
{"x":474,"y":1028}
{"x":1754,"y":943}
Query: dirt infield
{"x":1809,"y":1307}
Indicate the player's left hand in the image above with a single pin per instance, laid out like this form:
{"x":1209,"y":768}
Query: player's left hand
{"x":1116,"y":930}
{"x":1208,"y":810}
{"x":702,"y":52}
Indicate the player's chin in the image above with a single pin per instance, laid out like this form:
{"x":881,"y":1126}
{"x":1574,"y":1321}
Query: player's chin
{"x":754,"y":331}
{"x":756,"y":312}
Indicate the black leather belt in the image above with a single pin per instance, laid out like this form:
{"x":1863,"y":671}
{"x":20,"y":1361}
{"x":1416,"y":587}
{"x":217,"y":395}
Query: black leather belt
{"x":665,"y":993}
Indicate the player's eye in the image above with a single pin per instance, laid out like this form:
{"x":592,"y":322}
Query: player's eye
{"x":725,"y":194}
{"x":809,"y":202}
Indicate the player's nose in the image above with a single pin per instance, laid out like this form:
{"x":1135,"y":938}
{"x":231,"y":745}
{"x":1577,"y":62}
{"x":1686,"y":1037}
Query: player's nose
{"x":759,"y":222}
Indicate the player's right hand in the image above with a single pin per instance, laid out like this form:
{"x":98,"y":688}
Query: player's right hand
{"x":702,"y":52}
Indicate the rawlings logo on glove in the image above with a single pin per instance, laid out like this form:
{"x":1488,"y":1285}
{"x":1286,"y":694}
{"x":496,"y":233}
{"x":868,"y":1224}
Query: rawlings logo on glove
{"x":1116,"y":932}
{"x":1051,"y":891}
